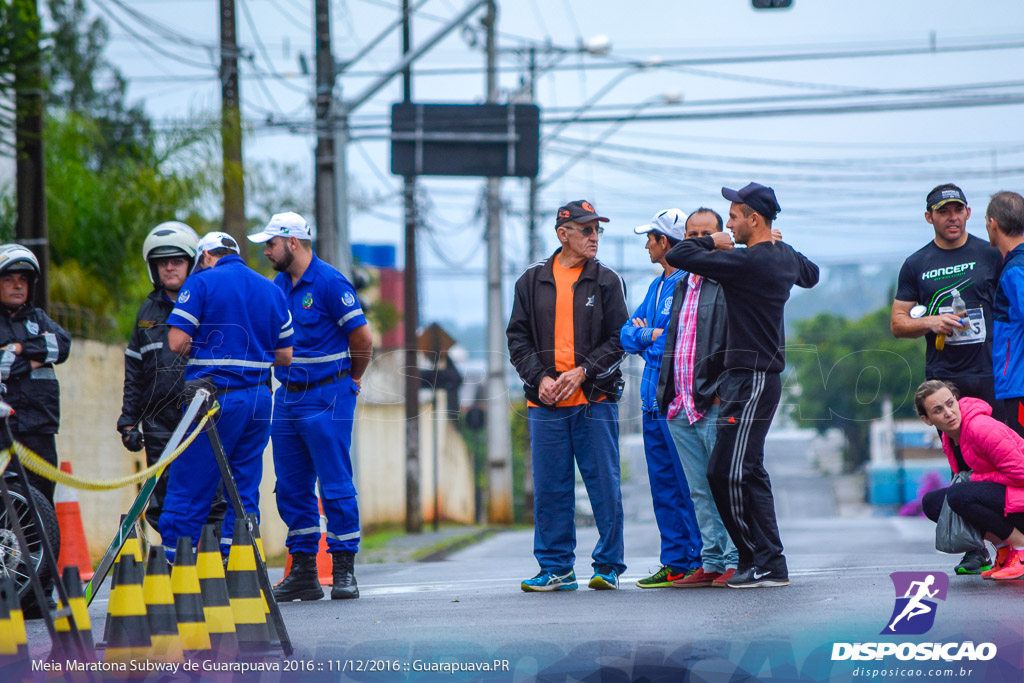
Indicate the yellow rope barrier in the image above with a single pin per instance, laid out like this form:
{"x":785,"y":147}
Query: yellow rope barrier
{"x":48,"y":471}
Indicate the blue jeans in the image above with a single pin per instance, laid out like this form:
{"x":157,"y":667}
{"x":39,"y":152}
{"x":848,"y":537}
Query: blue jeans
{"x":680,"y":537}
{"x":590,"y":435}
{"x":312,"y":434}
{"x":694,"y":442}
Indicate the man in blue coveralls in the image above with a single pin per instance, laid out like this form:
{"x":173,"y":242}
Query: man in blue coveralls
{"x":233,"y":324}
{"x":315,"y":408}
{"x":644,"y":335}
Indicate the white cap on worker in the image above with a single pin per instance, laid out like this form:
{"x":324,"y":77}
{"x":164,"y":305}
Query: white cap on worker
{"x":217,"y":240}
{"x":287,"y":224}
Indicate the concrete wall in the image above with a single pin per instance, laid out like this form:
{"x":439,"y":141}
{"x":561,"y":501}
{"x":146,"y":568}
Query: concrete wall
{"x":91,"y":384}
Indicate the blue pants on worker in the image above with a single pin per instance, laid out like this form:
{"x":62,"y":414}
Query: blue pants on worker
{"x":673,"y":509}
{"x":243,"y":424}
{"x":312,"y":433}
{"x":590,"y":435}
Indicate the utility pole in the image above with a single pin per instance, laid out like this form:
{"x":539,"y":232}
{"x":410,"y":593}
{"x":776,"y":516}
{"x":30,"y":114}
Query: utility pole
{"x":532,"y":247}
{"x":231,"y":130}
{"x":413,"y":511}
{"x":30,"y":174}
{"x":324,"y":172}
{"x":499,"y":447}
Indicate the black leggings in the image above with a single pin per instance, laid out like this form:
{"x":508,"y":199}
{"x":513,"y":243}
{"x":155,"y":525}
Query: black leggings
{"x":981,"y":503}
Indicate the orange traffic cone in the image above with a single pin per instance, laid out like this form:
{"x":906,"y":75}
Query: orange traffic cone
{"x":324,"y":562}
{"x":74,"y":551}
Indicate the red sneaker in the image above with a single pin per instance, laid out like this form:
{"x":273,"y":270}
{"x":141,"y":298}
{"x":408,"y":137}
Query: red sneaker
{"x":720,"y":581}
{"x":698,"y":579}
{"x":1002,"y":555}
{"x":1014,"y":567}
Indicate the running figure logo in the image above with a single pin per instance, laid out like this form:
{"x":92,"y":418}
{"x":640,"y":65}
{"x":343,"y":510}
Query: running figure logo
{"x":916,"y":592}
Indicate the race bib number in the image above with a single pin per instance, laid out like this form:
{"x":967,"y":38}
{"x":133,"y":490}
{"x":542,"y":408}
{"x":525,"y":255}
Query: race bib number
{"x":974,"y":331}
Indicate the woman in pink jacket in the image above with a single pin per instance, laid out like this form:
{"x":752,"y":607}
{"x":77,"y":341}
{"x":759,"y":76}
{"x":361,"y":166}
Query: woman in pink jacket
{"x":993,"y":500}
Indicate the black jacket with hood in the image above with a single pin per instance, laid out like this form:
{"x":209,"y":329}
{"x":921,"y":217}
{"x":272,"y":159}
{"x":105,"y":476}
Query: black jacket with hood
{"x":599,"y":311}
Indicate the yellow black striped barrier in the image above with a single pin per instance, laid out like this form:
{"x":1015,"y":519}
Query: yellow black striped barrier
{"x":247,"y":602}
{"x":160,"y":613}
{"x":14,"y":655}
{"x":131,"y":548}
{"x":216,"y":605}
{"x":80,"y":611}
{"x":128,"y":633}
{"x":188,"y":602}
{"x":253,"y":519}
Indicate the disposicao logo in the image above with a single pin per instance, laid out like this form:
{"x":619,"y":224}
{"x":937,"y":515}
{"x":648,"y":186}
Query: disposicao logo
{"x":916,"y":593}
{"x":913,"y":614}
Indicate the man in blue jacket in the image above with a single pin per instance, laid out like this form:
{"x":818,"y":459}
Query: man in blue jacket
{"x":233,"y":324}
{"x":644,"y":335}
{"x":1004,"y":220}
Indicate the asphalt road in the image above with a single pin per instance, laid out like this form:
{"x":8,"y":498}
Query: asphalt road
{"x":469,"y":608}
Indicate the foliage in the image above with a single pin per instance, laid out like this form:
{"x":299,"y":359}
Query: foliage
{"x":844,"y":370}
{"x":81,"y":80}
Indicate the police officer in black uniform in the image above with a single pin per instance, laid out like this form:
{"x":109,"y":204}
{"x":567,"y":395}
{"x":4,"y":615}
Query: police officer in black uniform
{"x":31,"y":345}
{"x":153,"y":374}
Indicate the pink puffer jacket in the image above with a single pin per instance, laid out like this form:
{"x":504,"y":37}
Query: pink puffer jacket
{"x":992,"y":450}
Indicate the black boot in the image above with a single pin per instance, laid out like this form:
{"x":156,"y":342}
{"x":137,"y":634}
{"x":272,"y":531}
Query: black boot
{"x":302,"y":583}
{"x":345,"y":587}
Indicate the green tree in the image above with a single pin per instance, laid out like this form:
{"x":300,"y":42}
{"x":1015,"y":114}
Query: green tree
{"x":843,"y":371}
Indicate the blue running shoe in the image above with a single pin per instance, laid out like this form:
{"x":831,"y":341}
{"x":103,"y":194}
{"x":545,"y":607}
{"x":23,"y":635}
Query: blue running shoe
{"x":546,"y":581}
{"x":605,"y":578}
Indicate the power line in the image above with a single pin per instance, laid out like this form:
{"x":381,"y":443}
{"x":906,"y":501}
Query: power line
{"x":149,"y":43}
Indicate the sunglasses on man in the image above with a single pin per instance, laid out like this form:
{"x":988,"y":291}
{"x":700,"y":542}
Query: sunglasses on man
{"x":586,"y":231}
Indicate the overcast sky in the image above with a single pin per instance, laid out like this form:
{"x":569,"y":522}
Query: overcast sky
{"x":851,"y":185}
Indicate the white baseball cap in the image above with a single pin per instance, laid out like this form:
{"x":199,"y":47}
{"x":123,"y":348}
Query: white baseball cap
{"x":670,"y":222}
{"x":287,"y":224}
{"x":217,"y":240}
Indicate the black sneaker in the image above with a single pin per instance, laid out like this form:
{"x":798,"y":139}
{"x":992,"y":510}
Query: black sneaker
{"x":974,"y":562}
{"x":755,"y":577}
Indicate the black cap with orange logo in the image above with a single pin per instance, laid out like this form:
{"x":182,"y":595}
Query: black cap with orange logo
{"x":580,"y":211}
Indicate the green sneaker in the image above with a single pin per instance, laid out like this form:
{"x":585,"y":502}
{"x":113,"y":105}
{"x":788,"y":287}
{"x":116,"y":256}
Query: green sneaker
{"x":664,"y":577}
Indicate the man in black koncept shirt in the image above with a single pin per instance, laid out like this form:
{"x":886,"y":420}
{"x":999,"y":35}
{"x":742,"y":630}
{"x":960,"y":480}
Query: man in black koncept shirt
{"x":952,"y":260}
{"x":756,"y":282}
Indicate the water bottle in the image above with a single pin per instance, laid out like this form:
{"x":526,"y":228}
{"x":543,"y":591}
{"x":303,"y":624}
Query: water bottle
{"x":959,"y":310}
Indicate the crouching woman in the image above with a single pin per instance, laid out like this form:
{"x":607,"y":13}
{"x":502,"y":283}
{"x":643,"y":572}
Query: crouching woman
{"x":993,"y":500}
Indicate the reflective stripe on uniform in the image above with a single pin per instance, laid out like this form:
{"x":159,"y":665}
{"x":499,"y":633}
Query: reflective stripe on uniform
{"x":303,"y":532}
{"x":133,"y":354}
{"x":230,"y":361}
{"x":186,"y":315}
{"x":348,"y":316}
{"x":343,"y":537}
{"x":52,"y":350}
{"x":43,"y":373}
{"x":321,"y":359}
{"x":151,"y":347}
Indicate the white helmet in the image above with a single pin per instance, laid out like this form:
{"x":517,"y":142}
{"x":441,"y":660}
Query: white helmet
{"x":14,"y":257}
{"x":166,"y":240}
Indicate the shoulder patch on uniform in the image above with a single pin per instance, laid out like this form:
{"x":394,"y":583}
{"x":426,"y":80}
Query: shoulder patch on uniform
{"x":146,"y":324}
{"x":184,"y":297}
{"x":348,"y":299}
{"x":32,"y":327}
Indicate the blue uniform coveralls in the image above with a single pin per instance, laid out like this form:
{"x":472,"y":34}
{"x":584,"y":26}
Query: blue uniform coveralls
{"x":673,"y":509}
{"x":236,"y":318}
{"x":314,"y":411}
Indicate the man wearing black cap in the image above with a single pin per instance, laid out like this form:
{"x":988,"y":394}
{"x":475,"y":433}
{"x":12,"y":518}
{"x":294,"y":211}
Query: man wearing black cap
{"x":563,"y":339}
{"x":958,"y":349}
{"x":756,"y":282}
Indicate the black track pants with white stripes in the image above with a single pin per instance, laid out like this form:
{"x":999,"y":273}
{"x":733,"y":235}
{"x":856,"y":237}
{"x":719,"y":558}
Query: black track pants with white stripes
{"x":739,"y":482}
